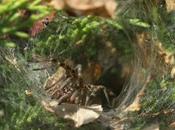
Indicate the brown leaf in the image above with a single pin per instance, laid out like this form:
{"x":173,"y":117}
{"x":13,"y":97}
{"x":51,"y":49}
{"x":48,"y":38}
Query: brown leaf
{"x":173,"y":72}
{"x":110,"y":6}
{"x":78,"y":114}
{"x":152,"y":127}
{"x":58,"y":4}
{"x":86,"y":7}
{"x":170,"y":5}
{"x":172,"y":125}
{"x":41,"y":24}
{"x":136,"y":105}
{"x":84,"y":4}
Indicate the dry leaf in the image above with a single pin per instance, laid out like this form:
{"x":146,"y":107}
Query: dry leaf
{"x":78,"y":114}
{"x":173,"y":72}
{"x":111,"y":7}
{"x":152,"y":127}
{"x":172,"y":125}
{"x":136,"y":106}
{"x":57,"y":4}
{"x":170,"y":5}
{"x":84,"y":4}
{"x":41,"y":24}
{"x":86,"y":7}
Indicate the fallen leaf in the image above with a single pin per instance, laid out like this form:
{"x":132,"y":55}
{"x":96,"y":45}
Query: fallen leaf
{"x":173,"y":72}
{"x":41,"y":24}
{"x":136,"y":105}
{"x":170,"y":5}
{"x":172,"y":125}
{"x":58,"y":4}
{"x":84,"y":4}
{"x":78,"y":114}
{"x":86,"y":7}
{"x":152,"y":127}
{"x":110,"y":6}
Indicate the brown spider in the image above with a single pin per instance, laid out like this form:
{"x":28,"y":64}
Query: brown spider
{"x":67,"y":85}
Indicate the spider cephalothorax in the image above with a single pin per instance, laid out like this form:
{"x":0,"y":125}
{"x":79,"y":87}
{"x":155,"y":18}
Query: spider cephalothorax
{"x":67,"y":85}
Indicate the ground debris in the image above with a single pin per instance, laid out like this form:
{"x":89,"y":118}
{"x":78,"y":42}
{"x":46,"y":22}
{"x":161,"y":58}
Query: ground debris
{"x":78,"y":114}
{"x":170,"y":5}
{"x":87,"y":7}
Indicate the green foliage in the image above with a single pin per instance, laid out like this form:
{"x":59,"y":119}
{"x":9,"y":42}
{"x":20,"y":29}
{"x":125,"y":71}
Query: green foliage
{"x":160,"y":95}
{"x":159,"y":24}
{"x":159,"y":98}
{"x":138,"y":22}
{"x":153,"y":15}
{"x":68,"y":37}
{"x":20,"y":112}
{"x":17,"y":17}
{"x":17,"y":113}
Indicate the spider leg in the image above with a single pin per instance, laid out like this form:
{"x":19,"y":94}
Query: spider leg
{"x":60,"y":100}
{"x":78,"y":68}
{"x":74,"y":95}
{"x":87,"y":100}
{"x":67,"y":81}
{"x":106,"y":96}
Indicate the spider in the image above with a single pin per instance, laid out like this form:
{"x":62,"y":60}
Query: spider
{"x":67,"y":85}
